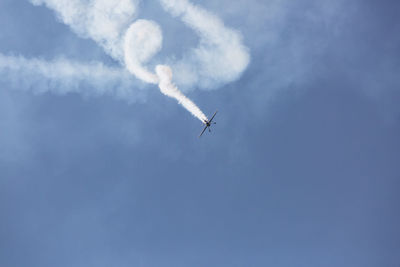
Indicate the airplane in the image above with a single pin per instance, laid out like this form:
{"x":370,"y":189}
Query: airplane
{"x":208,"y":124}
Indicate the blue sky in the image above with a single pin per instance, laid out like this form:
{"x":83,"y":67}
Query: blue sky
{"x":302,"y":168}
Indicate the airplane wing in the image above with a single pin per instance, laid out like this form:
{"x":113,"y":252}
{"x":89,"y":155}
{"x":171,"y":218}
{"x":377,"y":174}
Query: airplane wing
{"x":213,"y":116}
{"x":203,"y":131}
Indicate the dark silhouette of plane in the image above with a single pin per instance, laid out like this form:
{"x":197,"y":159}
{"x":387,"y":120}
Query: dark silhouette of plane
{"x":208,"y":124}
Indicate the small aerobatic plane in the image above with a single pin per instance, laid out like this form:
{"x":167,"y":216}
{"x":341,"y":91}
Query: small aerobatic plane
{"x":208,"y":124}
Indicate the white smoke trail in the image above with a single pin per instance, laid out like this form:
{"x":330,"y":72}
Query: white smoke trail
{"x":104,"y":21}
{"x":168,"y":88}
{"x":220,"y":57}
{"x":143,"y":40}
{"x":62,"y":76}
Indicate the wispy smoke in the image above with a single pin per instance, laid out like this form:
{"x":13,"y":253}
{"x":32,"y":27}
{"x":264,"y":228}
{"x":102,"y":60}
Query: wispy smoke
{"x":63,"y":76}
{"x":104,"y":21}
{"x":220,"y":57}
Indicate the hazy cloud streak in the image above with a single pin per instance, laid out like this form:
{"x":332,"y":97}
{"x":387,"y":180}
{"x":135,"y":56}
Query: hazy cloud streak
{"x":63,"y":76}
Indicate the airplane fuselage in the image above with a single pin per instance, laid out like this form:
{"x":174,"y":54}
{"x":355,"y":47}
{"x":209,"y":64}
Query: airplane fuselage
{"x":208,"y":124}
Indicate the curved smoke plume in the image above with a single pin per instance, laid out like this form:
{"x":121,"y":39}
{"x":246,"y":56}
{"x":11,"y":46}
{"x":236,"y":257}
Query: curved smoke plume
{"x":220,"y":57}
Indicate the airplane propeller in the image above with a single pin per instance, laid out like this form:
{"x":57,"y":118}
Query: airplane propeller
{"x":208,"y":124}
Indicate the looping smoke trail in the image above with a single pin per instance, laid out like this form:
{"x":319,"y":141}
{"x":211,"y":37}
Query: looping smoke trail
{"x":143,"y":40}
{"x":219,"y":58}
